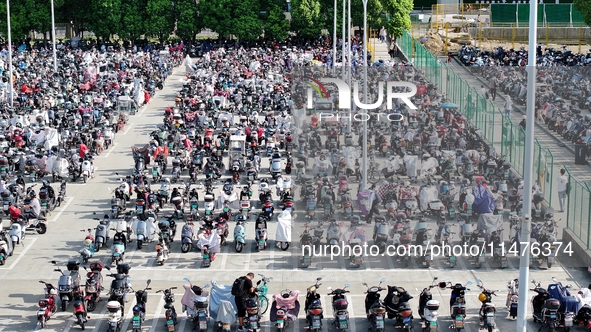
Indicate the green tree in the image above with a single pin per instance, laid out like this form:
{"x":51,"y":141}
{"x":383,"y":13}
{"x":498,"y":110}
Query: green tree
{"x":189,"y":21}
{"x":77,"y":12}
{"x":276,"y":26}
{"x":106,"y":18}
{"x":159,"y":19}
{"x":20,"y":24}
{"x":217,"y":15}
{"x":133,"y":16}
{"x":399,"y":11}
{"x":306,"y":18}
{"x":584,"y":6}
{"x":374,"y":13}
{"x":245,"y":20}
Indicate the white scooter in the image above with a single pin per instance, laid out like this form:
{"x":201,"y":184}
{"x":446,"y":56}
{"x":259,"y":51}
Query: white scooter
{"x":87,"y":170}
{"x":145,"y":231}
{"x":17,"y":234}
{"x":283,"y":234}
{"x":115,"y":316}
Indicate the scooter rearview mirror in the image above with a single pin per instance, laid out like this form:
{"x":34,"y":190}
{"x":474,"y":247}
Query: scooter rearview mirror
{"x":364,"y":284}
{"x":206,"y":286}
{"x":172,"y":287}
{"x":478,"y":280}
{"x":149,"y":282}
{"x":53,"y":262}
{"x":382,"y":280}
{"x":469,"y":282}
{"x":186,"y":279}
{"x":347,"y":285}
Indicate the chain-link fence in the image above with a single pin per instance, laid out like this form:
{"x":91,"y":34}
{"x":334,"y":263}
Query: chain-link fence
{"x":578,"y":211}
{"x":482,"y":114}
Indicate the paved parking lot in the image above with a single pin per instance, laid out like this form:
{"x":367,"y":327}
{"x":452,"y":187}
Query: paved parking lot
{"x":31,"y":262}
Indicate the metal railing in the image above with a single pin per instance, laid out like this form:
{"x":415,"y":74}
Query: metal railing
{"x":578,"y":210}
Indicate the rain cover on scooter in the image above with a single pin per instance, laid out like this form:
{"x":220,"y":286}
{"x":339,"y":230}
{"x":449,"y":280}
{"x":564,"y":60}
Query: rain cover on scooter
{"x":232,"y":200}
{"x":427,"y":194}
{"x":356,"y":233}
{"x":283,"y":233}
{"x":213,"y":240}
{"x":324,"y":165}
{"x":567,"y":301}
{"x":51,"y":138}
{"x":411,"y":165}
{"x":218,"y":295}
{"x":429,"y":165}
{"x":484,"y":201}
{"x":291,"y":303}
{"x":60,"y":166}
{"x":364,"y":201}
{"x":350,"y":154}
{"x":584,"y":296}
{"x":488,"y":223}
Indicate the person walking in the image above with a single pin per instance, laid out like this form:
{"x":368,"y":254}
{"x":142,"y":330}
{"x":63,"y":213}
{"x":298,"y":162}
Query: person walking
{"x":492,"y":84}
{"x":375,"y":201}
{"x":508,"y":106}
{"x":242,"y":289}
{"x":562,"y":181}
{"x":383,"y":34}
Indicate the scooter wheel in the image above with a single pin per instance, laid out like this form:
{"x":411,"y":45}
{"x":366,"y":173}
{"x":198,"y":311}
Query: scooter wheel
{"x":185,"y":247}
{"x":139,"y":244}
{"x":41,"y":228}
{"x":239,"y":246}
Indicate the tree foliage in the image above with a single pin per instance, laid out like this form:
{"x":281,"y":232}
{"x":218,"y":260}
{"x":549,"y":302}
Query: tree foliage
{"x":132,"y":19}
{"x":245,"y":20}
{"x":584,"y":6}
{"x":276,"y":26}
{"x":189,"y":20}
{"x":399,"y":16}
{"x":106,"y":18}
{"x":159,"y":19}
{"x":306,"y":18}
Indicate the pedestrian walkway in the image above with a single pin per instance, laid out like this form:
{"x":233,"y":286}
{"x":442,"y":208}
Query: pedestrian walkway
{"x":380,"y":50}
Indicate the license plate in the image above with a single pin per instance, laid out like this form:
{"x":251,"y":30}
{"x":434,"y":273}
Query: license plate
{"x":136,"y":324}
{"x":406,"y":320}
{"x":343,"y":325}
{"x":254,"y":325}
{"x":490,"y":320}
{"x":170,"y":325}
{"x":379,"y":324}
{"x":279,"y":323}
{"x":568,"y":321}
{"x":452,"y":258}
{"x":552,"y":315}
{"x":316,"y":323}
{"x":433,"y":326}
{"x":41,"y":313}
{"x":225,"y":326}
{"x":203,"y":325}
{"x":6,"y":206}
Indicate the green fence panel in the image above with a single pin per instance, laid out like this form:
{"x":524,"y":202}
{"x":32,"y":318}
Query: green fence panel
{"x":483,"y":115}
{"x":578,"y":209}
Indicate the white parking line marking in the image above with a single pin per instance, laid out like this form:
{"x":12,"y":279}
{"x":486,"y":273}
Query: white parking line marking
{"x":111,"y":149}
{"x":62,"y":209}
{"x":21,"y":255}
{"x":157,"y":315}
{"x":127,"y":130}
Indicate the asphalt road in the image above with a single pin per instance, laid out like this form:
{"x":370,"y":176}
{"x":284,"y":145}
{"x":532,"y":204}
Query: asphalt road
{"x":31,"y":262}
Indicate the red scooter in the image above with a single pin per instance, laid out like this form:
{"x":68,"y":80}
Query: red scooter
{"x":94,"y":281}
{"x":47,"y":306}
{"x":79,"y":308}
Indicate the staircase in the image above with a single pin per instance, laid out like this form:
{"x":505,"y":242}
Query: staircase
{"x":378,"y":49}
